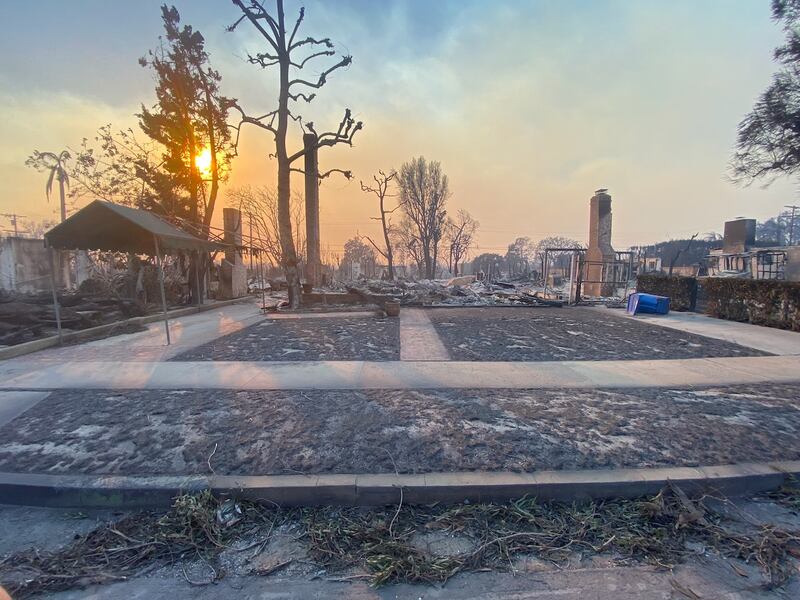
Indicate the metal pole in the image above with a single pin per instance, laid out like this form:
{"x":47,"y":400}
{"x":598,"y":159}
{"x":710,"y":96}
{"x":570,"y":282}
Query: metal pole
{"x":197,"y":279}
{"x":161,"y":283}
{"x":250,"y":219}
{"x":56,"y":307}
{"x":545,"y":270}
{"x":261,"y":276}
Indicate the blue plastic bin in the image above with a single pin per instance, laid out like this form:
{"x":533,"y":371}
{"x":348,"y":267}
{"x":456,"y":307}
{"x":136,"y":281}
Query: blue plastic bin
{"x":648,"y":303}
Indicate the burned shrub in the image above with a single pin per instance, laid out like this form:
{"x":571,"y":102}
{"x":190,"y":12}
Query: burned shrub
{"x":771,"y":303}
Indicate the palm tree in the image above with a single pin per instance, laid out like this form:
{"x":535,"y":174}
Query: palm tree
{"x":55,"y":165}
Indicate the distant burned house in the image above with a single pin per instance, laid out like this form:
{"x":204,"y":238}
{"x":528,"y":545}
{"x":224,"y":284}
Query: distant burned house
{"x":742,"y":256}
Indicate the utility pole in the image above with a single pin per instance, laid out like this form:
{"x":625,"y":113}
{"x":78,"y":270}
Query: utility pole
{"x":794,"y":207}
{"x":13,"y":218}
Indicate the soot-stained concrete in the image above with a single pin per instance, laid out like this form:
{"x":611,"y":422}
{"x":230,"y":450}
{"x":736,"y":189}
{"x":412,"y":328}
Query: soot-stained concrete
{"x":336,"y":338}
{"x":573,"y":333}
{"x":347,"y":431}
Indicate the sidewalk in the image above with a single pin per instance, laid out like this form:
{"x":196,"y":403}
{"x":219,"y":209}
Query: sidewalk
{"x":766,"y":339}
{"x":186,"y":332}
{"x":332,"y":375}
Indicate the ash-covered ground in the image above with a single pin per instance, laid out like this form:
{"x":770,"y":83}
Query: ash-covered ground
{"x":574,"y":333}
{"x":345,"y":431}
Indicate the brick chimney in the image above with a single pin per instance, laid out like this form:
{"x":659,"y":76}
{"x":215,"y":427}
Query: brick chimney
{"x":600,"y":249}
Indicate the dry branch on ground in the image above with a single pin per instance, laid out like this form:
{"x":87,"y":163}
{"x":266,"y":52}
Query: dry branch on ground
{"x":658,"y":530}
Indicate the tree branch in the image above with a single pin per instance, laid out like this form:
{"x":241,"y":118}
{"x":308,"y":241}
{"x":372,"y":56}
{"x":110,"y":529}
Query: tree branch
{"x":345,"y":62}
{"x":301,"y":95}
{"x":308,"y":58}
{"x":309,"y":40}
{"x":326,"y":174}
{"x":381,"y":252}
{"x":297,"y":25}
{"x":344,"y":135}
{"x":233,"y":26}
{"x":263,"y":59}
{"x":254,"y":20}
{"x":257,"y":121}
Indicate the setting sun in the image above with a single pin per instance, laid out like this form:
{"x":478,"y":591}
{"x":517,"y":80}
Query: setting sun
{"x":203,"y":162}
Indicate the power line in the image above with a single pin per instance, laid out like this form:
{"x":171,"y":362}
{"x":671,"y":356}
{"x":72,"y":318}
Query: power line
{"x":13,"y":218}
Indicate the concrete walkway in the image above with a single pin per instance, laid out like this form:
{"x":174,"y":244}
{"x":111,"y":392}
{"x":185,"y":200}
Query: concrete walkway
{"x":136,"y":361}
{"x":186,"y":332}
{"x":766,"y":339}
{"x":418,"y":337}
{"x":401,"y":375}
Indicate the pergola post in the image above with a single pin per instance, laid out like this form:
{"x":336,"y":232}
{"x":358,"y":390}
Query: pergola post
{"x":261,"y":277}
{"x":56,"y":307}
{"x":198,"y":256}
{"x":161,"y":285}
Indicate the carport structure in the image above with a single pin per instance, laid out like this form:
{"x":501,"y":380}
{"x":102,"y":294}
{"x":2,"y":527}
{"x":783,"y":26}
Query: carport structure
{"x":107,"y":226}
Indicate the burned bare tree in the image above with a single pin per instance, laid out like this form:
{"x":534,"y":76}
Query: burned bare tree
{"x":680,"y":251}
{"x":520,"y":255}
{"x":259,"y":206}
{"x":559,"y":254}
{"x":359,"y":259}
{"x":381,"y":191}
{"x":287,"y":52}
{"x":459,"y":234}
{"x":424,"y":190}
{"x":408,"y":244}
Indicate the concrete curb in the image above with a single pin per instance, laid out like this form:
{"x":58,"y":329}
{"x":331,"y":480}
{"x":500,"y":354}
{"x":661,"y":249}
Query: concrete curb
{"x":76,"y":336}
{"x":87,"y":491}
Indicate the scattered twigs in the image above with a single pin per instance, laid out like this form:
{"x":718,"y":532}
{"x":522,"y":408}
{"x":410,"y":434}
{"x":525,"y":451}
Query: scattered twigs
{"x":275,"y":568}
{"x":210,"y":456}
{"x":385,"y":543}
{"x":399,"y":507}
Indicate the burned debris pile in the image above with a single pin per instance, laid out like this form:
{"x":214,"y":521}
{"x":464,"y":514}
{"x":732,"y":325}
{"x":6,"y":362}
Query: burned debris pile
{"x":459,"y":291}
{"x":28,"y":317}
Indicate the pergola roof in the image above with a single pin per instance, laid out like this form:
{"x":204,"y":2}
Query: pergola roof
{"x":106,"y":226}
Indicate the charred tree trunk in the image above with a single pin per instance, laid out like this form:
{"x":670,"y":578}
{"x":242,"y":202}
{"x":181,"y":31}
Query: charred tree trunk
{"x":389,"y":254}
{"x":311,"y":169}
{"x":289,"y":258}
